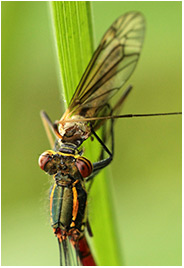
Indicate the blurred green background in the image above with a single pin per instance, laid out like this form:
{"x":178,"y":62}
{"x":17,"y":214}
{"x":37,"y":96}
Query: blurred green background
{"x":147,"y":165}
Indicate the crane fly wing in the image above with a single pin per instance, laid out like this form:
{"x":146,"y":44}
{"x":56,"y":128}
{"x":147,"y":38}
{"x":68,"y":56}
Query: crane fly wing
{"x":111,"y":65}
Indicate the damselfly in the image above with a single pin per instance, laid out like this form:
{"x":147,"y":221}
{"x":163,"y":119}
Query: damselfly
{"x":110,"y":67}
{"x":68,"y":198}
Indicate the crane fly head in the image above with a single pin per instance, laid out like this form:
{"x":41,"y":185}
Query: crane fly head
{"x":73,"y":130}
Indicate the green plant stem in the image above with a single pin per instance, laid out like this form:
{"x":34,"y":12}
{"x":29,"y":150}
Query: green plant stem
{"x":74,"y":39}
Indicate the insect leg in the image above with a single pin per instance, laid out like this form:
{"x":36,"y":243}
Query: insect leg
{"x":102,"y":163}
{"x":118,"y":105}
{"x":115,"y":109}
{"x":60,"y":253}
{"x":49,"y":126}
{"x":89,"y":228}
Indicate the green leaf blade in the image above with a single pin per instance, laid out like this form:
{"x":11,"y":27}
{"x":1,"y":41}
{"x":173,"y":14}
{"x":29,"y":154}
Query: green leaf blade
{"x":72,"y":25}
{"x":74,"y":38}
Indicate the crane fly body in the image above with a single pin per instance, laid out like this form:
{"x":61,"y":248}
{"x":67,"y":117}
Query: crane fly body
{"x":110,"y":67}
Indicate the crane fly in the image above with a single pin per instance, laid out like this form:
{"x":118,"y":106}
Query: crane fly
{"x":110,"y":67}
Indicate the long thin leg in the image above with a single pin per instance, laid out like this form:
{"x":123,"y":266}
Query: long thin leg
{"x":60,"y":253}
{"x":101,"y":142}
{"x":119,"y":104}
{"x":49,"y":126}
{"x":102,"y":163}
{"x":65,"y":250}
{"x":115,"y":110}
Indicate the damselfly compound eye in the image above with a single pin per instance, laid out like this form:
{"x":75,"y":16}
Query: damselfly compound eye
{"x":84,"y":166}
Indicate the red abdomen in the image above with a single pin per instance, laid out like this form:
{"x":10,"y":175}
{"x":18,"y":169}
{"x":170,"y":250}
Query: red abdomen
{"x":85,"y":253}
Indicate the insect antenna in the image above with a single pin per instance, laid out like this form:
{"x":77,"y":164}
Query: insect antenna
{"x":88,"y":119}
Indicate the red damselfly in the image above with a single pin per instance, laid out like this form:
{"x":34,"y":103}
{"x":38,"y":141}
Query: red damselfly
{"x":110,"y":67}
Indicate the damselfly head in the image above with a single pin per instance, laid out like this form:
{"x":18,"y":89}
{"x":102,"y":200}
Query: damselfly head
{"x":65,"y":165}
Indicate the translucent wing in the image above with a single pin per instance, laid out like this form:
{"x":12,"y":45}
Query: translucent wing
{"x":110,"y":67}
{"x":68,"y":254}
